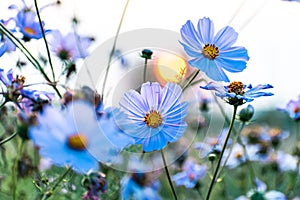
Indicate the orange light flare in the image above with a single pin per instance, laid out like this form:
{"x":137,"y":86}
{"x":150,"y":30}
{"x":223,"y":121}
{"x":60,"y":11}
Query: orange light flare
{"x":170,"y":68}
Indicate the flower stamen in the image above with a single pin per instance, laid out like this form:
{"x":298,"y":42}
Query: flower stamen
{"x":153,"y":119}
{"x":30,"y":30}
{"x":77,"y":141}
{"x":210,"y":51}
{"x":236,"y":87}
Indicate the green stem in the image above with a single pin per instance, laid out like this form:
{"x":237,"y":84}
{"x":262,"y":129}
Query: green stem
{"x":168,"y":175}
{"x":248,"y":161}
{"x":44,"y":37}
{"x":221,"y":154}
{"x":49,"y":193}
{"x":8,"y":138}
{"x":14,"y":169}
{"x":113,"y":49}
{"x":145,"y":70}
{"x":231,"y":148}
{"x":194,"y":75}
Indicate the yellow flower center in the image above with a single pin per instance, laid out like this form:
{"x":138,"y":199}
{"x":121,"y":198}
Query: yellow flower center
{"x":77,"y":141}
{"x":236,"y":87}
{"x":239,"y":155}
{"x":30,"y":30}
{"x":153,"y":119}
{"x":210,"y":51}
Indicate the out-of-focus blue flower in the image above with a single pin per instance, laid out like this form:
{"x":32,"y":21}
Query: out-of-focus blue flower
{"x":293,"y":109}
{"x":236,"y":93}
{"x":28,"y":26}
{"x":154,"y":117}
{"x":19,"y":93}
{"x":114,"y":134}
{"x":69,"y":137}
{"x":274,"y":195}
{"x":190,"y":175}
{"x":292,"y":0}
{"x":212,"y":145}
{"x":6,"y":45}
{"x":69,"y":47}
{"x":213,"y":53}
{"x":261,"y":193}
{"x":236,"y":157}
{"x":136,"y":187}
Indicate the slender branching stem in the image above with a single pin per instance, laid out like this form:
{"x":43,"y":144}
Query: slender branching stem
{"x":221,"y":154}
{"x":168,"y":174}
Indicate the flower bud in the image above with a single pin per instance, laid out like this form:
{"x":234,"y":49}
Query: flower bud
{"x":246,"y":113}
{"x":147,"y":54}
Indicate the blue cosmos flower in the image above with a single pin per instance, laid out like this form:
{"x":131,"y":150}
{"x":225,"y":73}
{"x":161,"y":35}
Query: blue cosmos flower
{"x":236,"y":93}
{"x":213,"y":53}
{"x":293,"y":109}
{"x":138,"y":187}
{"x":28,"y":26}
{"x":69,"y":47}
{"x":190,"y":175}
{"x":69,"y":137}
{"x":155,"y":116}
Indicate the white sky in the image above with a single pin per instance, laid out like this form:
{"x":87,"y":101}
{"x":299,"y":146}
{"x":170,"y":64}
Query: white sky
{"x":269,"y":29}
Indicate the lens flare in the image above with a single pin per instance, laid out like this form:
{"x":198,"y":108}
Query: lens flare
{"x":170,"y":68}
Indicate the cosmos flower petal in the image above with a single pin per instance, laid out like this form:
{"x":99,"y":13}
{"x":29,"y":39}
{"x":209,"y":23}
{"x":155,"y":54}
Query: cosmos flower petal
{"x":215,"y":86}
{"x":151,"y":93}
{"x":259,"y":87}
{"x":190,"y":36}
{"x":191,"y":51}
{"x":231,"y":65}
{"x":177,"y":114}
{"x":225,"y":37}
{"x":170,"y":96}
{"x":174,"y":132}
{"x":206,"y":30}
{"x":133,"y":103}
{"x":3,"y":49}
{"x":154,"y":142}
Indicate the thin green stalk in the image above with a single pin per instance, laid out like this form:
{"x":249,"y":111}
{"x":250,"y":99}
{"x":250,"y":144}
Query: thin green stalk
{"x":14,"y":169}
{"x":221,"y":154}
{"x":231,"y":148}
{"x":194,"y":75}
{"x":145,"y":70}
{"x":45,"y":40}
{"x":113,"y":49}
{"x":168,"y":175}
{"x":50,"y":192}
{"x":248,"y":161}
{"x":8,"y":138}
